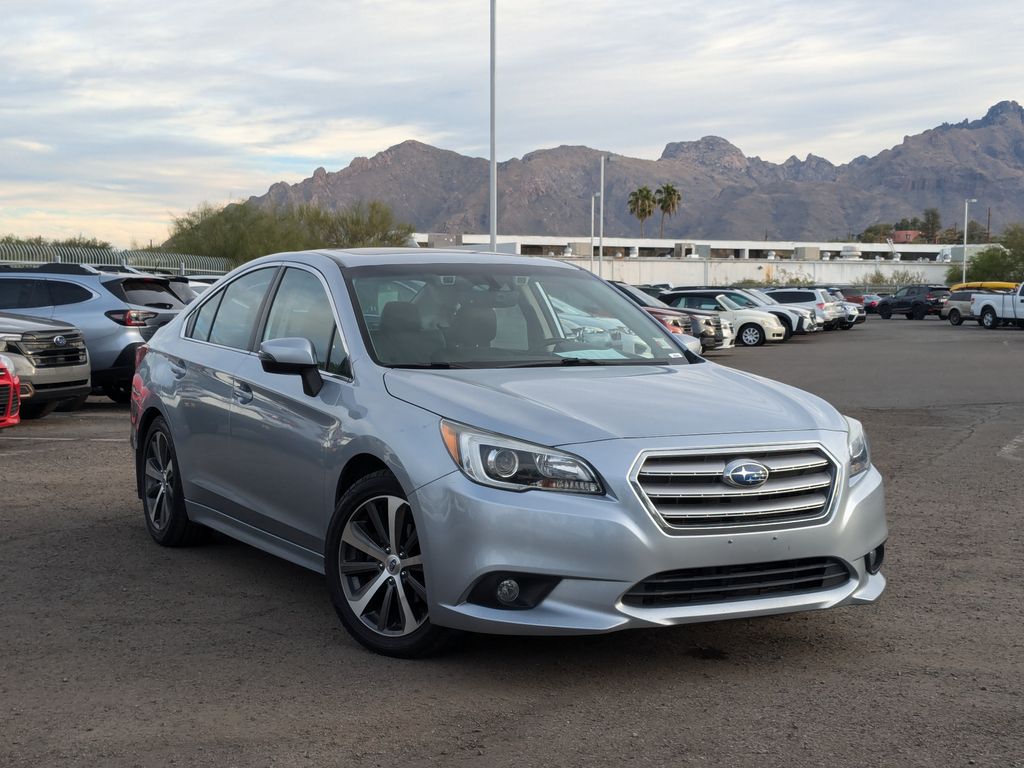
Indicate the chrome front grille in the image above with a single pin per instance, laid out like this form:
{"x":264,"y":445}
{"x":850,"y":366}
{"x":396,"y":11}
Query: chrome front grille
{"x":44,"y":352}
{"x":689,"y":494}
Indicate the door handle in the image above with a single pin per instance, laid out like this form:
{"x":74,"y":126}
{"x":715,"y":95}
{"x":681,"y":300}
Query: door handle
{"x":177,"y":368}
{"x":243,"y":393}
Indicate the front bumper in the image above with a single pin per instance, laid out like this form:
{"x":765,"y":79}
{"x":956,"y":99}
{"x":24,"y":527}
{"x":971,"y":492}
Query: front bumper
{"x":45,"y":384}
{"x":598,"y":547}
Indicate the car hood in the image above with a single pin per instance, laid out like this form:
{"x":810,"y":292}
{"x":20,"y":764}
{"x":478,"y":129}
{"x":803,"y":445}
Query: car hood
{"x":561,"y":406}
{"x":27,"y":324}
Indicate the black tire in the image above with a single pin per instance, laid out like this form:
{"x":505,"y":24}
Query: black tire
{"x":72,"y":404}
{"x":846,"y":326}
{"x":885,"y":312}
{"x":955,"y":318}
{"x":788,"y":326}
{"x":119,"y":391}
{"x":909,"y":315}
{"x":751,"y":335}
{"x":163,"y":502}
{"x":989,"y":319}
{"x":31,"y":410}
{"x":359,"y":574}
{"x":919,"y":312}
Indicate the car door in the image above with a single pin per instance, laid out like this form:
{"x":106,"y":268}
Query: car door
{"x":279,"y":433}
{"x":218,"y":336}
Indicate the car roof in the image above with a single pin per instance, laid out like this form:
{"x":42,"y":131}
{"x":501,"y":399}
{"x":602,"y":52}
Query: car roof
{"x":358,"y":257}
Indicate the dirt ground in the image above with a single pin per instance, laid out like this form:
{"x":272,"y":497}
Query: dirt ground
{"x":115,"y":652}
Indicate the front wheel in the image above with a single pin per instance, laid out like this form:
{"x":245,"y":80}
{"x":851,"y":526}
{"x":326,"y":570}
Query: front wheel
{"x":955,"y":317}
{"x":885,"y":312}
{"x":751,"y":335}
{"x":989,"y":318}
{"x":375,"y":571}
{"x":919,"y":312}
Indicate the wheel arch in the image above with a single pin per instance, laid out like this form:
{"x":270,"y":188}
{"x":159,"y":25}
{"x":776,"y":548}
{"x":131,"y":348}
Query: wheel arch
{"x":145,"y":422}
{"x":358,"y":467}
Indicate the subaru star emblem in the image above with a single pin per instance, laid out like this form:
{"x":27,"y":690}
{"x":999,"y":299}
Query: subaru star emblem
{"x":60,"y":341}
{"x":745,"y":473}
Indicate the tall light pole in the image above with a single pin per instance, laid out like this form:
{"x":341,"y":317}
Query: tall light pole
{"x":494,"y":159}
{"x":593,"y":197}
{"x":966,"y":204}
{"x":600,"y":247}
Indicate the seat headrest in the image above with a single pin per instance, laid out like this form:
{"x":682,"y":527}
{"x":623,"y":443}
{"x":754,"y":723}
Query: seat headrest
{"x":400,"y":316}
{"x":474,"y":325}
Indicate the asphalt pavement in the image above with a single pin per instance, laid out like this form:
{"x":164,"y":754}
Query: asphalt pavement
{"x":116,"y":652}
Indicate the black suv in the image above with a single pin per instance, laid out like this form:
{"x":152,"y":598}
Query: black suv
{"x":915,"y":302}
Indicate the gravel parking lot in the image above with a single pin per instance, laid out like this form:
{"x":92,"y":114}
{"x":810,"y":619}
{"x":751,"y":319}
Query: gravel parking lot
{"x":116,"y":652}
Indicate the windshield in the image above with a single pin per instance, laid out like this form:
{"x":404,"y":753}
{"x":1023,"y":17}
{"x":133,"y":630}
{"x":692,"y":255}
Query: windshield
{"x":727,"y":302}
{"x":767,"y":298}
{"x":496,"y":316}
{"x":641,"y":298}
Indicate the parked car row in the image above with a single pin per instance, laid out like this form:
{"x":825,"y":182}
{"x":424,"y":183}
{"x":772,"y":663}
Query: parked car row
{"x":758,"y":316}
{"x":70,"y":329}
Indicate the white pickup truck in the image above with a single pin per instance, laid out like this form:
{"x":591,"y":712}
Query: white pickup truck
{"x":997,"y":309}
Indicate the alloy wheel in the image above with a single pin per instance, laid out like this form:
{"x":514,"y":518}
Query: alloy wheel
{"x":159,"y":481}
{"x":381,"y":567}
{"x":751,"y":336}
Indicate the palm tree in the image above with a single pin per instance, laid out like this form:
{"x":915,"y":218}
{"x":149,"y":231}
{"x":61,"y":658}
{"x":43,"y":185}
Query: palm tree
{"x":668,"y":199}
{"x":641,"y":205}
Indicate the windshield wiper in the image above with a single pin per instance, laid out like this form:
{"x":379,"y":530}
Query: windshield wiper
{"x":436,"y":366}
{"x":563,"y":361}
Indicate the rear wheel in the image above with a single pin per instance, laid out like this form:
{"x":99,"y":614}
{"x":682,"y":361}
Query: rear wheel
{"x":751,"y":335}
{"x":375,"y":571}
{"x":162,"y":497}
{"x":989,"y":319}
{"x":955,"y":317}
{"x":118,"y":391}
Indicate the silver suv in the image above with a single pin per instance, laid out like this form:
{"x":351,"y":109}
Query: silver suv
{"x":425,"y":429}
{"x":115,"y":312}
{"x":50,"y":359}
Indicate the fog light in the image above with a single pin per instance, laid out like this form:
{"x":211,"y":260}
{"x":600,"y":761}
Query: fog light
{"x":508,"y":591}
{"x":873,"y":560}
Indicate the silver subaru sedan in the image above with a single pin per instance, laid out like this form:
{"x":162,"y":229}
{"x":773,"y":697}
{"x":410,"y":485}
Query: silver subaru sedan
{"x":487,"y":443}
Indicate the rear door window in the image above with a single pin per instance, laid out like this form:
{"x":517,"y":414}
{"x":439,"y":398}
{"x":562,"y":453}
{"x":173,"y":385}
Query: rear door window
{"x":239,"y":309}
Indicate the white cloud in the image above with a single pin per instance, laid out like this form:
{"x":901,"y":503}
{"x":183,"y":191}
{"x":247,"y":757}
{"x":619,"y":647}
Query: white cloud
{"x":124,"y":111}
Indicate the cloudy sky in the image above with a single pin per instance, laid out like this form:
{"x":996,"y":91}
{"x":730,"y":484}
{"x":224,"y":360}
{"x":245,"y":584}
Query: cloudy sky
{"x":117,"y":114}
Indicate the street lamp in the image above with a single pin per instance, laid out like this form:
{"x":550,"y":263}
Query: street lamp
{"x":593,"y":197}
{"x":494,"y":159}
{"x":600,"y":247}
{"x":966,"y":205}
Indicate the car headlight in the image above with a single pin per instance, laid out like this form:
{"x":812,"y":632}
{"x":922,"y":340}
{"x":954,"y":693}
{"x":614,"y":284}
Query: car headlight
{"x":503,"y":462}
{"x":8,"y":338}
{"x":7,"y":363}
{"x":860,"y":451}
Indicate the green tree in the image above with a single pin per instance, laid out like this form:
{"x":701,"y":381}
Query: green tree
{"x":641,"y":204}
{"x":1004,"y":262}
{"x":240,"y":232}
{"x":78,"y":241}
{"x":667,"y":198}
{"x":876,"y":233}
{"x":931,"y":225}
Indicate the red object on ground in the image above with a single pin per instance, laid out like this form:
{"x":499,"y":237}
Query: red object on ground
{"x":10,"y":401}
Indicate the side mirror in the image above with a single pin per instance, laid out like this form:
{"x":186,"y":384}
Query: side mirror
{"x":293,"y":356}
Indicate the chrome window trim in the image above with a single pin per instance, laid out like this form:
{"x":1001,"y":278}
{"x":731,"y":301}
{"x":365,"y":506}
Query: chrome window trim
{"x":208,"y":295}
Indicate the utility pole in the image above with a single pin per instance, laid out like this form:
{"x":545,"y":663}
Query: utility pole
{"x":494,"y":159}
{"x":600,"y":227}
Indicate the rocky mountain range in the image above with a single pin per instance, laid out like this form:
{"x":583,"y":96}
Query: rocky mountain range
{"x":726,"y":195}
